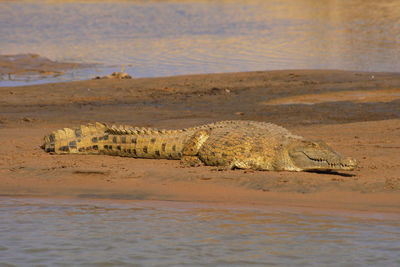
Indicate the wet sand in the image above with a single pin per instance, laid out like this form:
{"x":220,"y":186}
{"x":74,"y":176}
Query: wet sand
{"x":366,"y":128}
{"x":25,"y":65}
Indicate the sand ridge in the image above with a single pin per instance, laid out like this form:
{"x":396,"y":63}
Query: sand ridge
{"x":369,"y":132}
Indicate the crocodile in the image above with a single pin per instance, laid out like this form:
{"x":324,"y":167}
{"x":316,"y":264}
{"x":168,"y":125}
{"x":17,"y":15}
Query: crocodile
{"x":227,"y":144}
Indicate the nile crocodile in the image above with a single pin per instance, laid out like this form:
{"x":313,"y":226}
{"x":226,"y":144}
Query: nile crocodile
{"x":230,"y":144}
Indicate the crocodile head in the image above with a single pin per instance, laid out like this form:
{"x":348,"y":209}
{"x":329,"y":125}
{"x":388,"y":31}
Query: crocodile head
{"x":317,"y":155}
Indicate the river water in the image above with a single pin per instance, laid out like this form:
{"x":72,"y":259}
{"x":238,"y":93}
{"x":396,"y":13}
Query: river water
{"x":160,"y":38}
{"x":149,"y":233}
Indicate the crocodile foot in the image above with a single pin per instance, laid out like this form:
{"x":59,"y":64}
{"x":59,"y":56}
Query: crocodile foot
{"x":190,"y":161}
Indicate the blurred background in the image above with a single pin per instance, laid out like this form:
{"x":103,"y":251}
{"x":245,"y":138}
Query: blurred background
{"x":162,"y":38}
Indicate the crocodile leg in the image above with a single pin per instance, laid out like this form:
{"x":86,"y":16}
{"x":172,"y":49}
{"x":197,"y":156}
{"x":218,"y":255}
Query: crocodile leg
{"x":192,"y":147}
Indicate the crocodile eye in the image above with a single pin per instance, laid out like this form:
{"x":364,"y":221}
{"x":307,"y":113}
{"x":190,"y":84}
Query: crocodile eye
{"x":314,"y":145}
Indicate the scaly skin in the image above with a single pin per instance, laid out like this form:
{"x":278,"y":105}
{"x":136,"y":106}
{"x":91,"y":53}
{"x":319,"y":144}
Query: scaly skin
{"x":230,"y":144}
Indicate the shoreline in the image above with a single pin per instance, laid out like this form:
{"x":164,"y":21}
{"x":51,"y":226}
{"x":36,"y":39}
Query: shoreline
{"x":297,"y":204}
{"x":366,"y":127}
{"x":321,"y":203}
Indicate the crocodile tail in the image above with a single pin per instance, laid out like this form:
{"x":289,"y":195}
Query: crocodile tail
{"x":79,"y":140}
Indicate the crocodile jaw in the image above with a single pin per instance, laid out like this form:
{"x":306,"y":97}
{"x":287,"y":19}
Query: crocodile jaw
{"x":317,"y":155}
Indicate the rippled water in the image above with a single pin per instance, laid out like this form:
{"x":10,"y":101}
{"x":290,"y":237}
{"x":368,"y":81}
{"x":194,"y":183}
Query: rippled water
{"x":95,"y":232}
{"x":157,"y":38}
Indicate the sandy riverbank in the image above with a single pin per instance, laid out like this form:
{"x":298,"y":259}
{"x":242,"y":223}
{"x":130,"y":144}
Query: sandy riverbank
{"x":357,"y":113}
{"x":33,"y":65}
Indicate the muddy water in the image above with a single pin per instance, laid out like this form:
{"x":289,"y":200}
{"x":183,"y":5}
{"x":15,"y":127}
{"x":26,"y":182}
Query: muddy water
{"x":104,"y":233}
{"x":157,"y":38}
